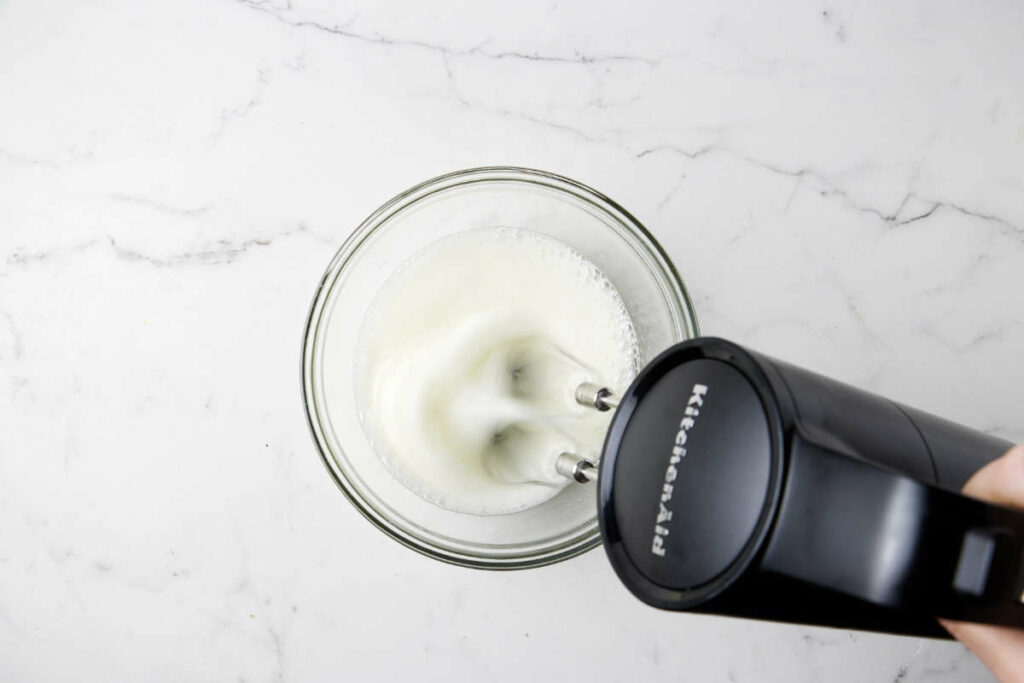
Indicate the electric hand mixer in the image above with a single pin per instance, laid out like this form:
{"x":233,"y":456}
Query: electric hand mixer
{"x":735,"y":484}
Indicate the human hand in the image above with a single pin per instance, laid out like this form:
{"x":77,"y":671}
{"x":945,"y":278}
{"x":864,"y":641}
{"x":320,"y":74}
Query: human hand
{"x":1000,"y":648}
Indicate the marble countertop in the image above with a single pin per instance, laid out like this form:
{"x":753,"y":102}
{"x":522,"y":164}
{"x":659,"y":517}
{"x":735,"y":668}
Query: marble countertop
{"x":841,"y":186}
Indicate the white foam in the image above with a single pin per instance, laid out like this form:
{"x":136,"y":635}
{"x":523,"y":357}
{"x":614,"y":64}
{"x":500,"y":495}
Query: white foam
{"x":467,"y":361}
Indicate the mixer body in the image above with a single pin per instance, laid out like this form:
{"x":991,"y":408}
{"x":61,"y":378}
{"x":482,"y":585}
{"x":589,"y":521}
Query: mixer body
{"x":735,"y":484}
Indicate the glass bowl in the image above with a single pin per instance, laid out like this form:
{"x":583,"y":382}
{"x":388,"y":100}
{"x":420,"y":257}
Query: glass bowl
{"x":587,"y":221}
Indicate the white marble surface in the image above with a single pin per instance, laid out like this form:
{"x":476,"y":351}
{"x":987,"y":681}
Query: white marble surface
{"x":838,"y":184}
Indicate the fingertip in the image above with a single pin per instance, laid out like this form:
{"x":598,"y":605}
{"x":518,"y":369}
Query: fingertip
{"x":1001,"y":481}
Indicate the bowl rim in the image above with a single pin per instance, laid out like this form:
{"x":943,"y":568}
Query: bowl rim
{"x":587,"y":535}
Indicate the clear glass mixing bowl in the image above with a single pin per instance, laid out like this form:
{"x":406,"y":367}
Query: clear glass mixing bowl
{"x":587,"y":221}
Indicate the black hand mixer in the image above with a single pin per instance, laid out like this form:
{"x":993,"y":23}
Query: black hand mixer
{"x":732,"y":483}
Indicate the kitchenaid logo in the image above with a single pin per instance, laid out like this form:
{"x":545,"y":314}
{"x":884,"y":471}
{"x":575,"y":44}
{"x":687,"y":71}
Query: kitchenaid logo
{"x":693,"y":407}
